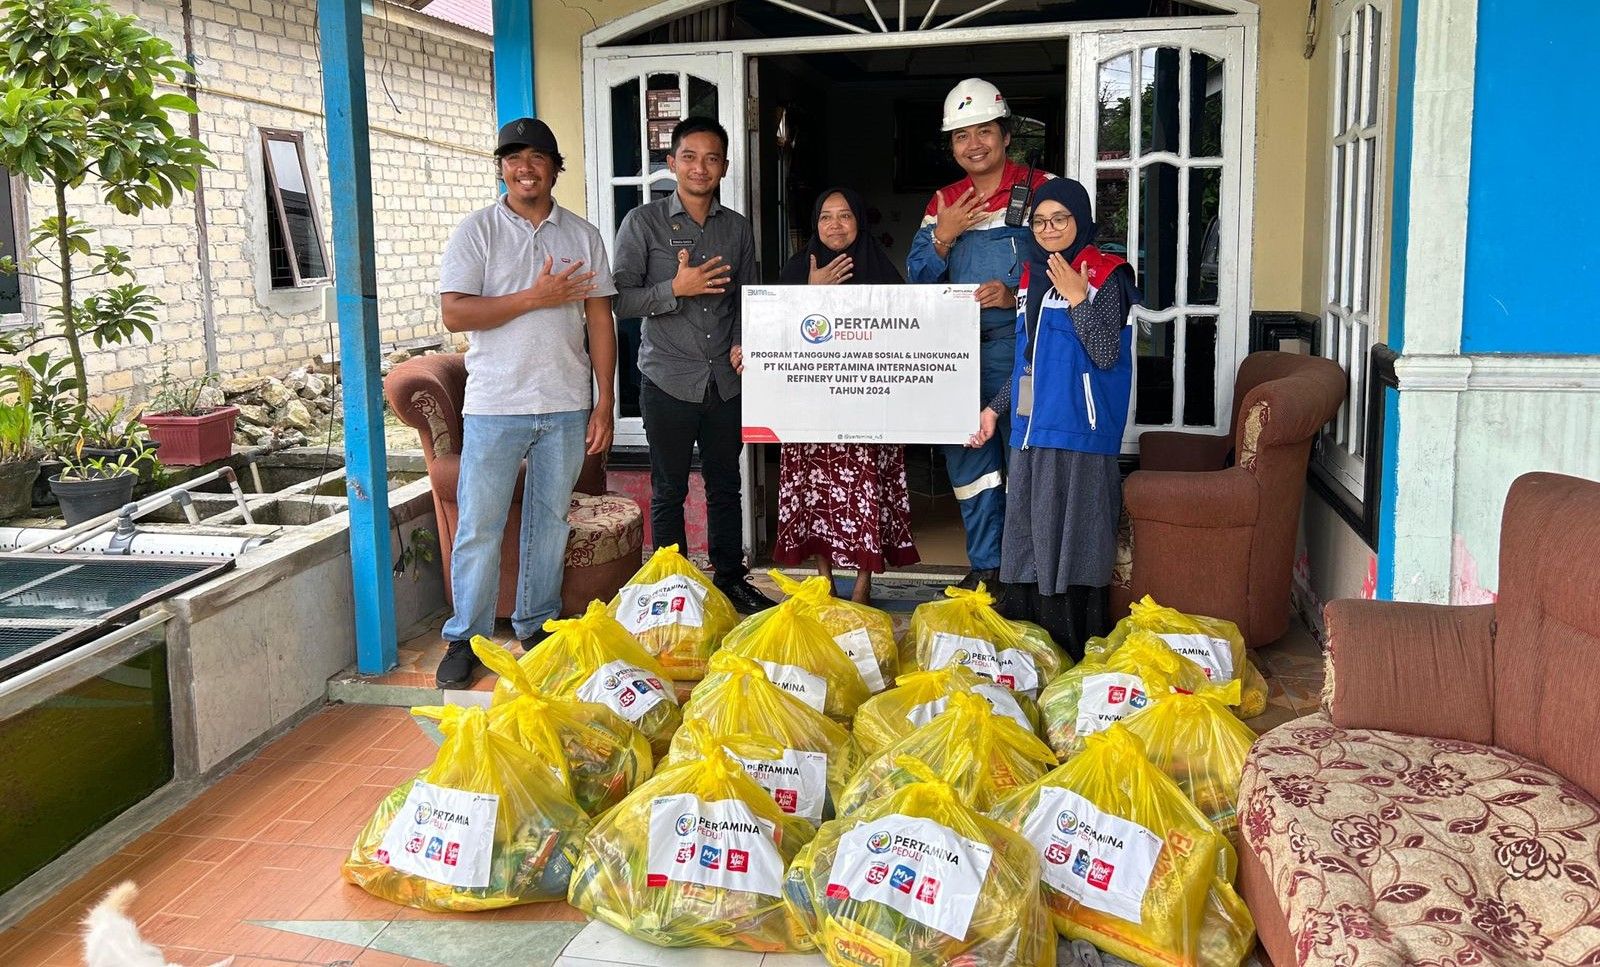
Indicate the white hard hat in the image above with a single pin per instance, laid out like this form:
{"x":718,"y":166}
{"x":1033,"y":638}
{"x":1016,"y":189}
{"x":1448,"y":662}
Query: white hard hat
{"x":973,"y":101}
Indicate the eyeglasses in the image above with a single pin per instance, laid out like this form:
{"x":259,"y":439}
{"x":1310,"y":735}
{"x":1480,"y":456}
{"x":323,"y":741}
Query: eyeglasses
{"x":1057,"y":222}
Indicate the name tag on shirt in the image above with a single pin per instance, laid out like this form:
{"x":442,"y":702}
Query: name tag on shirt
{"x":681,"y":242}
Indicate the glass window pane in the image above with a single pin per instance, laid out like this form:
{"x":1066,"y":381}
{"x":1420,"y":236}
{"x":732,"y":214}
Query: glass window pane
{"x":1374,"y":65}
{"x":304,"y":235}
{"x":1200,"y":371}
{"x":629,"y":334}
{"x":1359,"y":337}
{"x":1158,"y":99}
{"x":664,"y":103}
{"x":1157,"y":258}
{"x":1205,"y":106}
{"x":625,"y":130}
{"x":1205,"y":234}
{"x":1111,"y":211}
{"x":1152,"y":404}
{"x":624,"y":199}
{"x":1116,"y":106}
{"x":702,"y":98}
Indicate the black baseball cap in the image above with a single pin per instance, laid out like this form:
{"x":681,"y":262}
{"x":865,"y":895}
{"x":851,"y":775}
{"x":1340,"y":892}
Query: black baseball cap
{"x":526,"y":133}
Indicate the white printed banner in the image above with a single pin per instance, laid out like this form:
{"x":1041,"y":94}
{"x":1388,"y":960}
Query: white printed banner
{"x":917,"y":866}
{"x":808,"y":688}
{"x":1108,"y":698}
{"x":1102,"y":861}
{"x":858,"y":645}
{"x":798,"y":780}
{"x":675,"y":600}
{"x":442,"y":834}
{"x":1011,"y":667}
{"x":998,"y":698}
{"x":720,"y":843}
{"x":1215,"y":655}
{"x":625,"y":689}
{"x":860,"y":363}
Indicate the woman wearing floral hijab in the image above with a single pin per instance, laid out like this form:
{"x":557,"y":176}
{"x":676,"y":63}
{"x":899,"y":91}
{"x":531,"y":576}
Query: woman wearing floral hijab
{"x":843,"y":504}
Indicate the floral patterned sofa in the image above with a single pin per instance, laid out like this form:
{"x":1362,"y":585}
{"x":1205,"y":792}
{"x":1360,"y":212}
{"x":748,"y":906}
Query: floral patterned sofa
{"x":605,"y":546}
{"x":1441,"y":810}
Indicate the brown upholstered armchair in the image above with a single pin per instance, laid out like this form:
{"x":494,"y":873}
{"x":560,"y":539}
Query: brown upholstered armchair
{"x":1218,"y":539}
{"x":604,"y":547}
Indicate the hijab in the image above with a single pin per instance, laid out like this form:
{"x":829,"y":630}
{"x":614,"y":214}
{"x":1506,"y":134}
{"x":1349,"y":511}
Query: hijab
{"x":872,"y":264}
{"x":1074,"y":198}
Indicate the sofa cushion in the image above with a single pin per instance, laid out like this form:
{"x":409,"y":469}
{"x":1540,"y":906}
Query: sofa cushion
{"x":604,"y":529}
{"x":1390,"y":849}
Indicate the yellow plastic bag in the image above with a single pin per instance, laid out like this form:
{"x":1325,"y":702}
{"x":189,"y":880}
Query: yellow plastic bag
{"x":981,"y":753}
{"x":736,"y":698}
{"x":1214,"y":644}
{"x":965,"y":629}
{"x":1197,"y":740}
{"x":675,"y":612}
{"x":800,"y":657}
{"x":695,"y":857}
{"x":487,"y":825}
{"x":1099,"y":692}
{"x":917,"y":697}
{"x":865,"y":633}
{"x":1129,"y":863}
{"x":592,"y":750}
{"x":591,"y":658}
{"x":920,"y":879}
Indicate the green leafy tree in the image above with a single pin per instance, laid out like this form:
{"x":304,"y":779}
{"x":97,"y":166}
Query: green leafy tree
{"x":81,"y":102}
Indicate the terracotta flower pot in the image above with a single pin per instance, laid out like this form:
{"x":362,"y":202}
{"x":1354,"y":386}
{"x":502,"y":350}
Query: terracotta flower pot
{"x":189,"y":441}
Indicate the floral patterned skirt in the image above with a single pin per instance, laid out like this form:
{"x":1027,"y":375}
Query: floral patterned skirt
{"x":846,"y":501}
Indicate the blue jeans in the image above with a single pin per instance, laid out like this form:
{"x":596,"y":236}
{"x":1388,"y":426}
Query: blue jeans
{"x":978,"y":476}
{"x":492,"y":451}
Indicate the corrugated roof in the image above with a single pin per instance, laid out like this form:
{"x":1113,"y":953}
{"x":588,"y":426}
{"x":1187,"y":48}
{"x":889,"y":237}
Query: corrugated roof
{"x":475,"y":15}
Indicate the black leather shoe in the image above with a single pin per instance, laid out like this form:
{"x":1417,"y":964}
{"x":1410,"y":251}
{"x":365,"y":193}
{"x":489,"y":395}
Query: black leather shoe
{"x":458,"y":667}
{"x":990,"y":577}
{"x":746,"y":599}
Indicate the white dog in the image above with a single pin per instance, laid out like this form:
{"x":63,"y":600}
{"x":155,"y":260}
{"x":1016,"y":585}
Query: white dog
{"x":111,"y":939}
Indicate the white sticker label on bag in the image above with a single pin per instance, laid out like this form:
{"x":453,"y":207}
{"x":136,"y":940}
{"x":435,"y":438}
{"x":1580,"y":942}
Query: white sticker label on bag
{"x":808,"y":688}
{"x":1108,"y":698}
{"x":1011,"y":667}
{"x":1102,"y":861}
{"x":676,"y":600}
{"x":442,"y":834}
{"x":916,"y":866}
{"x":798,"y":781}
{"x":1215,"y":655}
{"x":625,"y":689}
{"x":858,"y":645}
{"x":999,"y":699}
{"x":721,"y":843}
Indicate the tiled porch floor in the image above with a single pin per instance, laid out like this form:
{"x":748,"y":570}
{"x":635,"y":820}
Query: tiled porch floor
{"x":264,"y":845}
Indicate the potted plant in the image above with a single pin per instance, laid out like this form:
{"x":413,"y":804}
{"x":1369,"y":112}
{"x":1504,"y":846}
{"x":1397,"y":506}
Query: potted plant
{"x":19,"y":459}
{"x":87,"y":487}
{"x":189,"y":428}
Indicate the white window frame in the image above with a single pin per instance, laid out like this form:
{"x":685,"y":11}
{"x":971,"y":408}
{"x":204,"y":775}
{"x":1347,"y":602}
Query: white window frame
{"x":19,"y":228}
{"x":1352,"y":279}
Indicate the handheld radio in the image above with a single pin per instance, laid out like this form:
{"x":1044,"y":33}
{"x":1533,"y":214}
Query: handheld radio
{"x":1021,"y":195}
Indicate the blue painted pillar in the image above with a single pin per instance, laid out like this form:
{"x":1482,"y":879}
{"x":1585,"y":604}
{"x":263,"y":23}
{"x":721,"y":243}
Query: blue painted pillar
{"x":513,"y":60}
{"x":344,"y":97}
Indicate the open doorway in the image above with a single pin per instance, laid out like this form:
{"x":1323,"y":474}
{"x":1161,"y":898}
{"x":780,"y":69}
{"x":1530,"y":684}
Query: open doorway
{"x":869,"y":119}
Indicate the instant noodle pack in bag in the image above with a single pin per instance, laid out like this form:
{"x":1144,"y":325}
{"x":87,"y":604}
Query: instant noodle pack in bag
{"x":592,"y":659}
{"x":737,"y":698}
{"x":981,"y":753}
{"x":965,"y":629}
{"x":1214,"y":644}
{"x":675,"y":612}
{"x":695,"y":857}
{"x":487,"y":825}
{"x":917,"y":697}
{"x":1197,"y":740}
{"x":1099,"y":692}
{"x":865,"y":633}
{"x":592,"y":749}
{"x":800,"y":657}
{"x":1129,"y":864}
{"x":920,"y":879}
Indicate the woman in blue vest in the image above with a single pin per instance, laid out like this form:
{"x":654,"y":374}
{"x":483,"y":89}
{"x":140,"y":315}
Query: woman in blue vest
{"x":1068,"y":401}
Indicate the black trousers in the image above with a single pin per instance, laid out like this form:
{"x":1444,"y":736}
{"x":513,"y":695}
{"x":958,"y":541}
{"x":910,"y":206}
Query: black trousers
{"x":672,"y":428}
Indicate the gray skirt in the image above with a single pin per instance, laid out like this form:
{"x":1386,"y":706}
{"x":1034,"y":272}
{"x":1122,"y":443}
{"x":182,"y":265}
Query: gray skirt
{"x":1061,"y":519}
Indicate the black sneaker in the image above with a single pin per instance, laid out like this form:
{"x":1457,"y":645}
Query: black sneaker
{"x":746,"y":599}
{"x":458,"y":667}
{"x":533,"y":641}
{"x":990,"y":577}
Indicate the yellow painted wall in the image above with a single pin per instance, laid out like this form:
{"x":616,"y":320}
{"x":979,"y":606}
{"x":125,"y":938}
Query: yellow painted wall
{"x":1287,"y":174}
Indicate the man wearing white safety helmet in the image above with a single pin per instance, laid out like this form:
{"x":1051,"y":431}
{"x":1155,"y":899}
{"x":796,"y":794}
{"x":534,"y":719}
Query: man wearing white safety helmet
{"x":964,"y":238}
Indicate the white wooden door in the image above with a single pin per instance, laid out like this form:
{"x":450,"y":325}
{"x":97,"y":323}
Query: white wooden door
{"x":636,"y":101}
{"x":1158,"y":136}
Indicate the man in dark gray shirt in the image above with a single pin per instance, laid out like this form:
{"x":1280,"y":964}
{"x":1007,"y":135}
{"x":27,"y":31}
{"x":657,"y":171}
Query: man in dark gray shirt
{"x":679,"y":264}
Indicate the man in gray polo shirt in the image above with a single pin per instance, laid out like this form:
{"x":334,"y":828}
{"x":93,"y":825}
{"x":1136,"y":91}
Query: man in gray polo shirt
{"x":527,"y":281}
{"x":680,"y":263}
